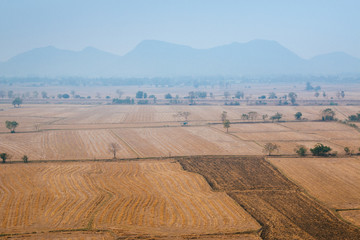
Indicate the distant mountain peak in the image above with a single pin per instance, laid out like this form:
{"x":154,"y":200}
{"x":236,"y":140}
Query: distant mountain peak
{"x":154,"y":58}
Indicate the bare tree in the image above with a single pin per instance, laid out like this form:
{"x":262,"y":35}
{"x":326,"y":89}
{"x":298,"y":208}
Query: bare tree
{"x":264,"y":117}
{"x":252,"y":115}
{"x":184,"y":115}
{"x":269,"y":148}
{"x":223,"y":116}
{"x":113,"y":148}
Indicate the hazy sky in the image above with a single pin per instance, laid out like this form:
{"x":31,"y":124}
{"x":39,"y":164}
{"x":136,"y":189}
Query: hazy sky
{"x":307,"y":27}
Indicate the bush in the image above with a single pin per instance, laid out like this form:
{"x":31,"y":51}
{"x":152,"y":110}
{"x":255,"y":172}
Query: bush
{"x":301,"y":150}
{"x":320,"y":150}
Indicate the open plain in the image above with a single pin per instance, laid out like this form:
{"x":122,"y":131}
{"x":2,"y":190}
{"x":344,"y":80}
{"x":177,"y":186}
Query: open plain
{"x":73,"y":188}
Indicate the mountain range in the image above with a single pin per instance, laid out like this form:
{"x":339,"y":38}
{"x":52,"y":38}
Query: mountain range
{"x":153,"y":58}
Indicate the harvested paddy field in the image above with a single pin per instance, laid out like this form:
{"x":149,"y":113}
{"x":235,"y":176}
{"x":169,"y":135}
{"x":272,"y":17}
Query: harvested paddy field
{"x":334,"y":181}
{"x":283,"y":210}
{"x":146,"y":199}
{"x":74,"y":132}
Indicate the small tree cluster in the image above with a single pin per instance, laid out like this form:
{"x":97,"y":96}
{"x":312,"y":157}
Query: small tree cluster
{"x":327,"y":114}
{"x":320,"y":150}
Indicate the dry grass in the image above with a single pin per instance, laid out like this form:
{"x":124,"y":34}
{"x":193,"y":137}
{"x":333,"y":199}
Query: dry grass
{"x":333,"y":181}
{"x":145,"y":197}
{"x":352,"y":216}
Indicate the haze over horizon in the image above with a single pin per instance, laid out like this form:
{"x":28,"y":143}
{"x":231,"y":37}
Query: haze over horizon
{"x":308,"y":28}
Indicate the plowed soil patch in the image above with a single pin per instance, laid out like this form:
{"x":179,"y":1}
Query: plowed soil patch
{"x":279,"y":205}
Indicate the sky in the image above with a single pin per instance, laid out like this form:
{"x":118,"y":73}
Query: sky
{"x":307,"y":27}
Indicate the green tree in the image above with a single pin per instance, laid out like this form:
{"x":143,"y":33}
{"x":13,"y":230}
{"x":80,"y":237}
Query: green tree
{"x":25,"y":159}
{"x":301,"y":150}
{"x":298,"y":115}
{"x":269,"y":148}
{"x":17,"y":102}
{"x":348,"y":151}
{"x":4,"y":157}
{"x":320,"y":150}
{"x":11,"y":125}
{"x":226,"y":124}
{"x":139,"y":94}
{"x":168,"y":96}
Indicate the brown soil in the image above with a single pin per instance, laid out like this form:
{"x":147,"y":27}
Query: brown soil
{"x":283,"y":210}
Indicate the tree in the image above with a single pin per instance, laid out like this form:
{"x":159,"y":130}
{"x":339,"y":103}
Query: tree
{"x":252,"y":115}
{"x":184,"y":115}
{"x":292,"y":97}
{"x":44,"y":94}
{"x":223,"y":116}
{"x":11,"y":125}
{"x":298,"y":115}
{"x":272,"y":95}
{"x":269,"y":148}
{"x":226,"y":124}
{"x":17,"y":101}
{"x":25,"y":158}
{"x":327,"y":114}
{"x":168,"y":96}
{"x":72,"y":92}
{"x":301,"y":150}
{"x":264,"y":117}
{"x":192,"y":97}
{"x":244,"y":116}
{"x":66,"y":96}
{"x":4,"y":157}
{"x":309,"y":87}
{"x":348,"y":151}
{"x":342,"y":94}
{"x":10,"y":94}
{"x":113,"y":148}
{"x":277,"y":117}
{"x":239,"y":95}
{"x":317,"y":94}
{"x":320,"y":150}
{"x":139,"y":94}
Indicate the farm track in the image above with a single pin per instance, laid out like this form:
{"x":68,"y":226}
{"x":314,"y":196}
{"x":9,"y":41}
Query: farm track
{"x":282,"y":208}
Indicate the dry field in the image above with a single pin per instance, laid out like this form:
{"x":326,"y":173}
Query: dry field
{"x":283,"y":210}
{"x":67,"y":132}
{"x":139,"y":198}
{"x":335,"y":182}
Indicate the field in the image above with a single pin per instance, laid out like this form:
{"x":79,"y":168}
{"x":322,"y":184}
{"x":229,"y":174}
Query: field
{"x":335,"y":182}
{"x":67,"y":132}
{"x":128,"y":198}
{"x":71,"y":188}
{"x":283,"y":210}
